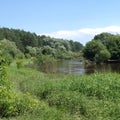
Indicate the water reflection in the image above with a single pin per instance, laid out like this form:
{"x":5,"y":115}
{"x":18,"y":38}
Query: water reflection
{"x":77,"y":67}
{"x":111,"y":67}
{"x":71,"y":67}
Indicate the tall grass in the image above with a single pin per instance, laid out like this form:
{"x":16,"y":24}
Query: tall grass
{"x":84,"y":97}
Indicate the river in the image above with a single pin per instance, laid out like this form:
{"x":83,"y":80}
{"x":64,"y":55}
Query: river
{"x":77,"y":67}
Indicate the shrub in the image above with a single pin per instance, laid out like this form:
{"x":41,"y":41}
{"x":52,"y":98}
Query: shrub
{"x":44,"y":62}
{"x":19,"y":63}
{"x":11,"y":103}
{"x":7,"y":100}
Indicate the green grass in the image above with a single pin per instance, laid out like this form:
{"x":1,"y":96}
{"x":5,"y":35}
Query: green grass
{"x":66,"y":97}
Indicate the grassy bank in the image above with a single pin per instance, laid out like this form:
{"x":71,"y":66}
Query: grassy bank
{"x":68,"y":97}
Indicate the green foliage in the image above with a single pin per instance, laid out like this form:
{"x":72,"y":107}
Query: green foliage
{"x":5,"y":86}
{"x":87,"y":97}
{"x":112,"y":43}
{"x":10,"y":50}
{"x":18,"y":43}
{"x":96,"y":51}
{"x":43,"y":113}
{"x":3,"y":64}
{"x":12,"y":104}
{"x":25,"y":103}
{"x":31,"y":50}
{"x":113,"y":46}
{"x":47,"y":50}
{"x":103,"y":37}
{"x":30,"y":108}
{"x":23,"y":39}
{"x":44,"y":59}
{"x":76,"y":46}
{"x":7,"y":102}
{"x":102,"y":56}
{"x":44,"y":62}
{"x":19,"y":63}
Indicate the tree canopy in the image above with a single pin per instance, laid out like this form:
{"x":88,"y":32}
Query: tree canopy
{"x":112,"y":43}
{"x":24,"y":39}
{"x":96,"y":51}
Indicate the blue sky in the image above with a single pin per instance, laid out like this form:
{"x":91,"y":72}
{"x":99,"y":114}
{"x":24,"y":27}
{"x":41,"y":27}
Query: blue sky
{"x":78,"y":20}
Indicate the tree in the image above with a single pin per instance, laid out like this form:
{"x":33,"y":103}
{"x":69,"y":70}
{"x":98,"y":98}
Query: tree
{"x":112,"y":43}
{"x":76,"y":46}
{"x":11,"y":49}
{"x":103,"y":37}
{"x":113,"y":46}
{"x":32,"y":50}
{"x":96,"y":51}
{"x":102,"y":56}
{"x":47,"y":50}
{"x":22,"y":39}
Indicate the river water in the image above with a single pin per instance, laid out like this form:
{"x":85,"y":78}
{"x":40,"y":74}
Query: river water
{"x":77,"y":67}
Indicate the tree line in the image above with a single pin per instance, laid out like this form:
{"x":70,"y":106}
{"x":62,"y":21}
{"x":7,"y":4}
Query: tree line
{"x":19,"y":43}
{"x":25,"y":40}
{"x":103,"y":47}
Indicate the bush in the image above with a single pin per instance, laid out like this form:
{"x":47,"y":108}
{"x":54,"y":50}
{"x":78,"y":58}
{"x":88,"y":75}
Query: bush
{"x":11,"y":103}
{"x":25,"y":103}
{"x":7,"y":100}
{"x":44,"y":62}
{"x":19,"y":63}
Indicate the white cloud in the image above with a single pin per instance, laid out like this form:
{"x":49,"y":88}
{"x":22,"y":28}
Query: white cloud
{"x":83,"y":35}
{"x":94,"y":31}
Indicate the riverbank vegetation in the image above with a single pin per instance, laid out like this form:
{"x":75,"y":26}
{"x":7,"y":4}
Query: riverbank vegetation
{"x":19,"y":43}
{"x":103,"y":47}
{"x":27,"y":94}
{"x":65,"y":97}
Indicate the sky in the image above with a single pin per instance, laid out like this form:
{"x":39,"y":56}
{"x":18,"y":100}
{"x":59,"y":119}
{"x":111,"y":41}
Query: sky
{"x":77,"y":20}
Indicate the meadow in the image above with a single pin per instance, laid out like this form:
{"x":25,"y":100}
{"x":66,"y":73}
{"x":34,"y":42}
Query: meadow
{"x":67,"y":97}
